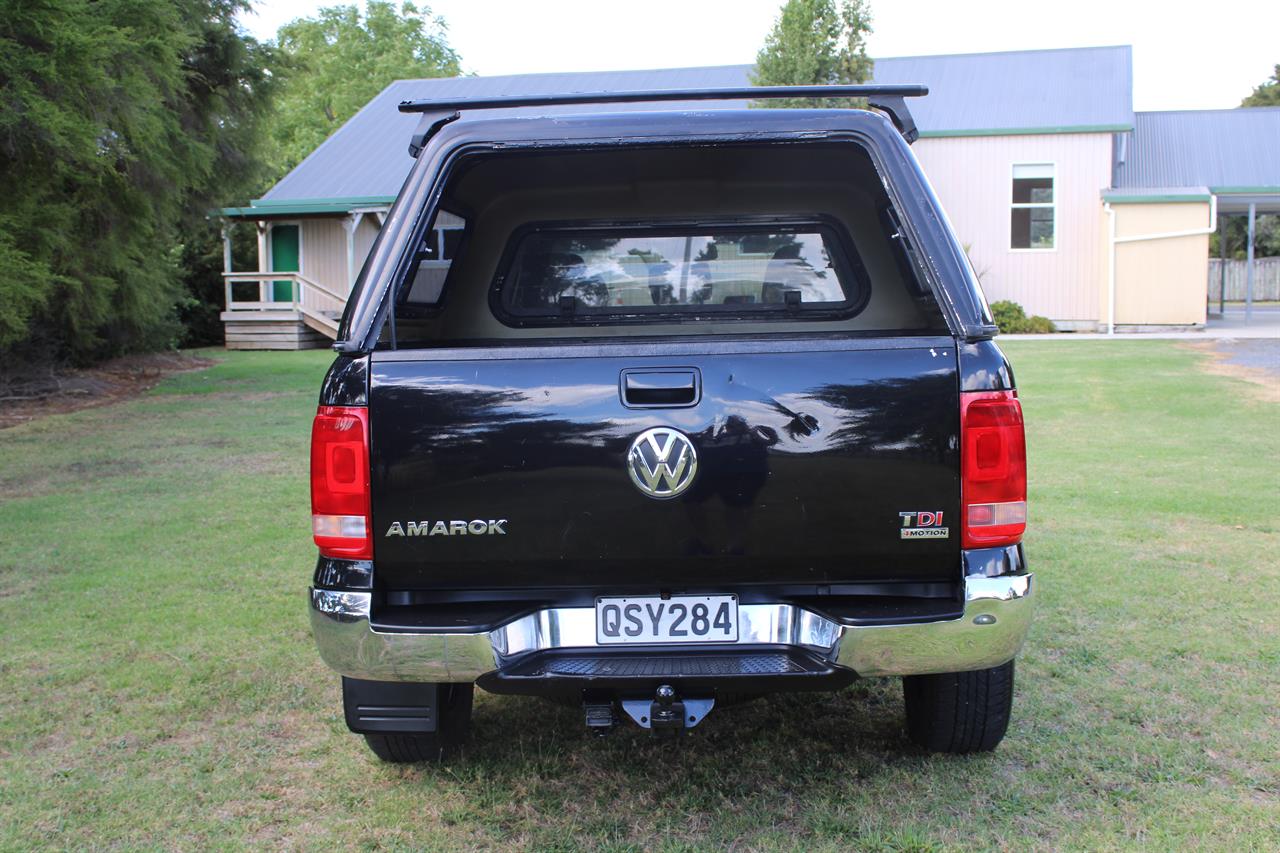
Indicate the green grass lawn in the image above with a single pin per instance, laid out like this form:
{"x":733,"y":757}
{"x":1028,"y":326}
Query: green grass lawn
{"x":159,"y":687}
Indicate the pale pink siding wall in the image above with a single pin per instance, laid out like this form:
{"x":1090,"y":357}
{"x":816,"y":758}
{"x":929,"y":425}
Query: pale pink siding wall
{"x":366,"y":233}
{"x":324,"y":249}
{"x":972,"y":177}
{"x":324,"y":253}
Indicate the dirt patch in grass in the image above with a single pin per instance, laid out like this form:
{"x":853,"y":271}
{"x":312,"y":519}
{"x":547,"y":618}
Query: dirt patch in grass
{"x":1263,"y":384}
{"x":27,"y":394}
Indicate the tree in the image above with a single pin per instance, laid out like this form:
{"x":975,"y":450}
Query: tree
{"x":1266,"y":237}
{"x":1267,"y":94}
{"x":816,"y":41}
{"x":121,"y":122}
{"x":341,"y":59}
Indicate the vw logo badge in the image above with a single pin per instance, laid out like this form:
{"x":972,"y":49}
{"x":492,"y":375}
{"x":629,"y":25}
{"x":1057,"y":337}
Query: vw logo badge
{"x":662,"y":462}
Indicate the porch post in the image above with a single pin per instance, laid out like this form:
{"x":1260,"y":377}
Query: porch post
{"x":226,"y":247}
{"x":349,"y":224}
{"x":263,"y":227}
{"x":1222,"y":266}
{"x":1248,"y":275}
{"x":226,"y":262}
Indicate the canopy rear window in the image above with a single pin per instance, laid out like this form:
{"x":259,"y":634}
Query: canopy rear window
{"x":641,"y":272}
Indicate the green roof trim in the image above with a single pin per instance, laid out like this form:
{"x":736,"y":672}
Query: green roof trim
{"x":259,"y":207}
{"x":1246,"y":190}
{"x":1029,"y":131}
{"x":1154,"y":198}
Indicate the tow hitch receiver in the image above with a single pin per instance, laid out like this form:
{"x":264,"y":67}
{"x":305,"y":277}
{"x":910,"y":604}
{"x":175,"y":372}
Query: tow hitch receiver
{"x":666,"y":712}
{"x":600,"y":717}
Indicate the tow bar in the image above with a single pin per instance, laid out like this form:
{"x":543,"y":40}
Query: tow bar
{"x":665,"y":713}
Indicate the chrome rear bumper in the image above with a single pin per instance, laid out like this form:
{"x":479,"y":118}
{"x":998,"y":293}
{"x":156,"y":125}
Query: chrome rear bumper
{"x":997,"y":615}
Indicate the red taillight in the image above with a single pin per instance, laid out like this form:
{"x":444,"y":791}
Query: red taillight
{"x":993,"y":463}
{"x":340,"y":482}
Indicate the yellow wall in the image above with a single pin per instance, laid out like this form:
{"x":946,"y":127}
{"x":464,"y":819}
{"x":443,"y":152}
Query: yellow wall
{"x":1161,"y":282}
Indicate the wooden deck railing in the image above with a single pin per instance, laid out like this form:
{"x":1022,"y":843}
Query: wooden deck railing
{"x":305,"y":295}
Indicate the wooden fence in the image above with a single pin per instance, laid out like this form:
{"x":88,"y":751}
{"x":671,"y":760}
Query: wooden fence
{"x":1266,"y":279}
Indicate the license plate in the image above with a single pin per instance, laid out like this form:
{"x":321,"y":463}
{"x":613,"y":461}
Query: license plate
{"x":678,"y":619}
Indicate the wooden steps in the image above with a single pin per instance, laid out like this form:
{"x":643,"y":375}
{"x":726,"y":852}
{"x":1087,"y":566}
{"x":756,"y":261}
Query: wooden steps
{"x":308,"y":321}
{"x":276,"y":330}
{"x":323,"y":322}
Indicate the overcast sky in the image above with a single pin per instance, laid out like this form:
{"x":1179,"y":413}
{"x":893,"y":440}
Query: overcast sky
{"x":1185,"y":55}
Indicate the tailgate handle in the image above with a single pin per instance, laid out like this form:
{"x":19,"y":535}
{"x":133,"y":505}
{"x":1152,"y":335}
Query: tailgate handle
{"x":667,"y":387}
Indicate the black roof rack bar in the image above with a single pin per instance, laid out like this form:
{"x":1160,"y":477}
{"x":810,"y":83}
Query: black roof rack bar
{"x":889,"y":98}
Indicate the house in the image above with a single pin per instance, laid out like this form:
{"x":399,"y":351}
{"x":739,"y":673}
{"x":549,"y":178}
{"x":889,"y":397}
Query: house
{"x":1180,"y":171}
{"x":1067,"y":201}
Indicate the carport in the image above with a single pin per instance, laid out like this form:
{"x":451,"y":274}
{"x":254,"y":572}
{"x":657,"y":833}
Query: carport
{"x":1226,"y":157}
{"x":1250,"y":204}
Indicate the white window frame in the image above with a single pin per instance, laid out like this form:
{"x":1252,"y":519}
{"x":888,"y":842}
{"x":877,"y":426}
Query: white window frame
{"x":439,"y":263}
{"x":1033,"y":205}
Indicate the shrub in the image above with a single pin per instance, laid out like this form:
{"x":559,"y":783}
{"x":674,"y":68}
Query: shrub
{"x":1008,"y":314}
{"x":1011,"y":319}
{"x":1037,"y":325}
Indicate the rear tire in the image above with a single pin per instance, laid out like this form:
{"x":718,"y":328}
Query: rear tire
{"x":453,"y":724}
{"x":959,"y":712}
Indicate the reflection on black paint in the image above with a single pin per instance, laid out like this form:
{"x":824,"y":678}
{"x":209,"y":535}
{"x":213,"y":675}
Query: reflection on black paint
{"x":889,"y":414}
{"x":735,"y":456}
{"x":804,"y":459}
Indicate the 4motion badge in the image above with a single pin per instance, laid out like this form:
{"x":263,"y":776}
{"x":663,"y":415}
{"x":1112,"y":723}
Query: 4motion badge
{"x":923,"y":525}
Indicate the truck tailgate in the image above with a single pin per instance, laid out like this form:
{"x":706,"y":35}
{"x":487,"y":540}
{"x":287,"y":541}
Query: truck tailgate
{"x":508,"y":468}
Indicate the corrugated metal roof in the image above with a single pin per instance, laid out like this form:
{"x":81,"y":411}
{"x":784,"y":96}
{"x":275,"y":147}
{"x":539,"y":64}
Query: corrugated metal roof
{"x":981,"y":93}
{"x":1017,"y":91}
{"x":1224,"y":150}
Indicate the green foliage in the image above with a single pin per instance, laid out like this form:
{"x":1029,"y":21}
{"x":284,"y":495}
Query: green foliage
{"x":816,"y":41}
{"x":340,"y":59}
{"x":1266,"y":237}
{"x":24,"y":285}
{"x":1038,"y":325}
{"x":1008,"y":314}
{"x":204,"y":297}
{"x":1011,"y":319}
{"x":122,"y":121}
{"x":1267,"y":94}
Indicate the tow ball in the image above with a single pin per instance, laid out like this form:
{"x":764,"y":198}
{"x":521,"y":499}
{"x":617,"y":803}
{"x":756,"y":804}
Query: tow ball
{"x":667,"y":712}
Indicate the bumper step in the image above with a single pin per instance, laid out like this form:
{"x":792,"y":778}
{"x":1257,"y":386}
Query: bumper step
{"x":645,"y":670}
{"x":654,"y":666}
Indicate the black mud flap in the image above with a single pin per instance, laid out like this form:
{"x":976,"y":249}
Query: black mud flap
{"x":396,"y":707}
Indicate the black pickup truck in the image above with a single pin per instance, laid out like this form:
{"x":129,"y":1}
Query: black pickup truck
{"x":652,"y":411}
